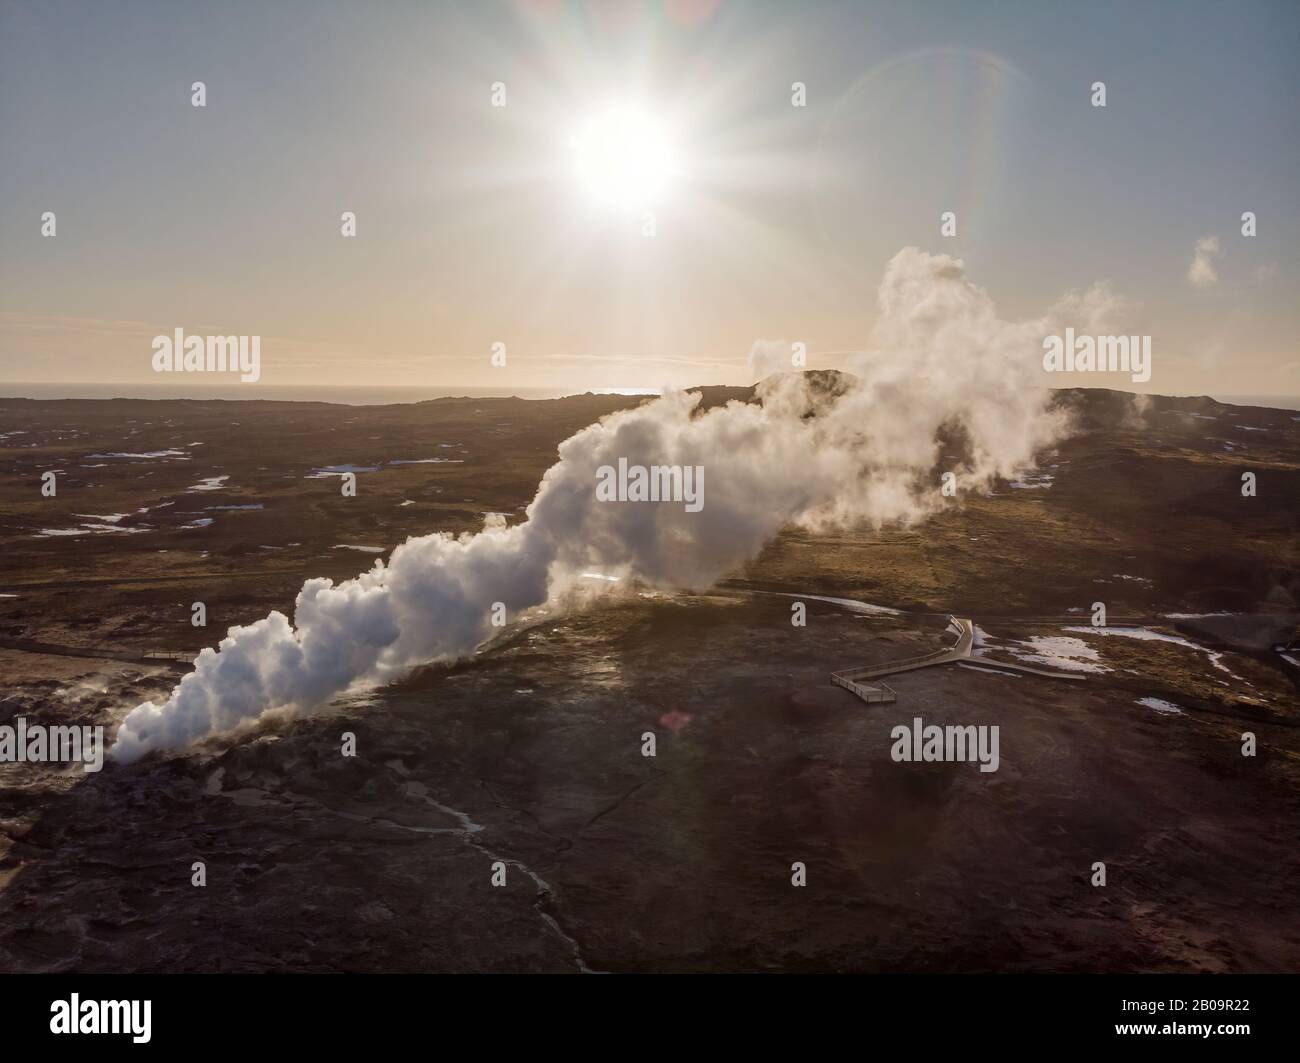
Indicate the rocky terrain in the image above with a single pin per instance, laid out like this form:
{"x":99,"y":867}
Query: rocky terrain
{"x":531,"y":754}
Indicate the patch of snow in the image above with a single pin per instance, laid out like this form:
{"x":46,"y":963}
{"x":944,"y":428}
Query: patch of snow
{"x":90,"y":528}
{"x":1168,"y":708}
{"x":1147,"y":635}
{"x":210,"y":483}
{"x":339,"y":470}
{"x":144,"y":454}
{"x":1072,"y":655}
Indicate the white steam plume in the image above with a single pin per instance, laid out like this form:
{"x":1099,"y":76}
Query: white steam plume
{"x":941,"y":359}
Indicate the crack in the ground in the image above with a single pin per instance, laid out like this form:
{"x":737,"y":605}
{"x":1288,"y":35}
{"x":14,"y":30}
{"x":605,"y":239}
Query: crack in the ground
{"x":564,"y":843}
{"x":466,"y":831}
{"x":658,"y":774}
{"x":544,"y":890}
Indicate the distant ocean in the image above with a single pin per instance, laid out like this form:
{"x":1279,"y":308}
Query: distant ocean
{"x":360,"y":396}
{"x":1277,"y":402}
{"x":379,"y":396}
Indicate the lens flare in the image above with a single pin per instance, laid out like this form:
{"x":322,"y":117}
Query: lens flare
{"x":623,"y":157}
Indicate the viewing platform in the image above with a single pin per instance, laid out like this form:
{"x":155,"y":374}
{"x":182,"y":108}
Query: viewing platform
{"x":852,"y":679}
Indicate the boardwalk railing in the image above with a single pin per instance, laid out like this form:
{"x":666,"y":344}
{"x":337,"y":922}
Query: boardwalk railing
{"x":174,"y":658}
{"x":870,"y":694}
{"x":894,"y":666}
{"x":960,"y":650}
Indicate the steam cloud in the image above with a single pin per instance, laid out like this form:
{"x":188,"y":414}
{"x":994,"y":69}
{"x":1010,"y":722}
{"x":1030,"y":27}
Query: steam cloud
{"x":941,"y":359}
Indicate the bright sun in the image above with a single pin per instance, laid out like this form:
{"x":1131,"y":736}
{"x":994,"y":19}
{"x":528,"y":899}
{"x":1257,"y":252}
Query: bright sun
{"x":624,"y":157}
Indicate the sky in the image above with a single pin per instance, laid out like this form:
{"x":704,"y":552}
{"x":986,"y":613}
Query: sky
{"x":771,"y":224}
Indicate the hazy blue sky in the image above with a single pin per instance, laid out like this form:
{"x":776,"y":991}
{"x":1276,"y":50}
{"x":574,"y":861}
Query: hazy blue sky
{"x":473,"y":229}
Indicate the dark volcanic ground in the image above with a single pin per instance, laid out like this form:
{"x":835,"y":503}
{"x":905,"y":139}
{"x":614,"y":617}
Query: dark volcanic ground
{"x":531,"y":753}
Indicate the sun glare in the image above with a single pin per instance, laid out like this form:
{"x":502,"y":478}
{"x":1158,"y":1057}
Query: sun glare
{"x":624,"y":157}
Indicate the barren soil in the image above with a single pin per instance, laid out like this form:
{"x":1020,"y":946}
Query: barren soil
{"x":531,"y":753}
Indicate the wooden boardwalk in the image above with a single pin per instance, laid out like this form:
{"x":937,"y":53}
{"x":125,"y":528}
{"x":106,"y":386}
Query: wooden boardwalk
{"x":852,"y":679}
{"x":178,"y":659}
